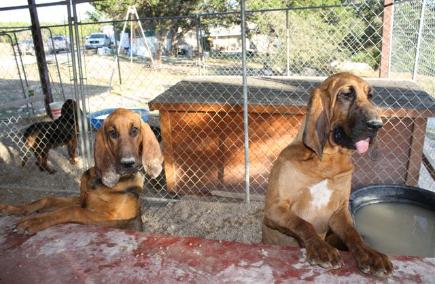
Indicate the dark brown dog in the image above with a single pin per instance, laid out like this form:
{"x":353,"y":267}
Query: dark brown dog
{"x":109,"y":192}
{"x":310,"y":182}
{"x":42,"y":136}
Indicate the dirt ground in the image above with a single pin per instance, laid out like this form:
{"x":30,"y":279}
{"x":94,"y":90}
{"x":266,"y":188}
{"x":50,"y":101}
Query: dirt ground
{"x":235,"y":221}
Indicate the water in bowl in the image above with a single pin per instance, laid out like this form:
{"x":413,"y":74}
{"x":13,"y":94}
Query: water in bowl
{"x":398,"y":229}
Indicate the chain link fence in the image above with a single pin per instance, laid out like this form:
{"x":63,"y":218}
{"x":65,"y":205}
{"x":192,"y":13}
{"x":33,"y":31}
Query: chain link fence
{"x":187,"y":73}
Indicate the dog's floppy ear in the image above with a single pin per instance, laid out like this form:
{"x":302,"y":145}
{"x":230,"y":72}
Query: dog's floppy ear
{"x":317,"y":122}
{"x":104,"y":160}
{"x":152,"y":157}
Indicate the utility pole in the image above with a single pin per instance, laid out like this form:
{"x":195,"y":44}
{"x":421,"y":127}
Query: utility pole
{"x":40,"y":56}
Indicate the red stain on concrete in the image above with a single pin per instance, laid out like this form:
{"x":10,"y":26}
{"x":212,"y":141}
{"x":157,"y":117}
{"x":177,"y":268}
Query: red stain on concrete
{"x":76,"y":254}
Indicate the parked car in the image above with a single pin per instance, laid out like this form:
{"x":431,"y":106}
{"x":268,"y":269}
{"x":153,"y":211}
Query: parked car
{"x":58,"y":43}
{"x":26,"y":47}
{"x":97,"y":40}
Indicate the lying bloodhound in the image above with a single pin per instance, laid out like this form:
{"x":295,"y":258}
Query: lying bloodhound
{"x":309,"y":186}
{"x":109,"y":191}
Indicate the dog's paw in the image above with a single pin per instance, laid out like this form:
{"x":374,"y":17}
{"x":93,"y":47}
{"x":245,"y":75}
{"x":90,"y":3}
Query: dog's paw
{"x":6,"y":209}
{"x":372,"y":262}
{"x":30,"y":225}
{"x":321,"y":253}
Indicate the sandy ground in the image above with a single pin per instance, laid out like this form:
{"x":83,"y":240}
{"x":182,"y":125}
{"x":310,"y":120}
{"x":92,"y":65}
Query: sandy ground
{"x":206,"y":219}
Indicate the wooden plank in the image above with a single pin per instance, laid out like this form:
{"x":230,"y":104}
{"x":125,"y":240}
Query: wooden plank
{"x":168,"y":153}
{"x":275,"y":109}
{"x":416,"y":151}
{"x":274,"y":95}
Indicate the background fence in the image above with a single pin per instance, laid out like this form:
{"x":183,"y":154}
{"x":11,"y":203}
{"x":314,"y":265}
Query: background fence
{"x":188,"y":71}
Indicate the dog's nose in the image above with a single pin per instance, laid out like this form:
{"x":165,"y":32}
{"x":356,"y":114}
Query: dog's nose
{"x":375,"y":124}
{"x":128,"y":162}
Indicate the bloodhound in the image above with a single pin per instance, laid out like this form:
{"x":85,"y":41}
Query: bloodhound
{"x":109,"y":191}
{"x":309,"y":184}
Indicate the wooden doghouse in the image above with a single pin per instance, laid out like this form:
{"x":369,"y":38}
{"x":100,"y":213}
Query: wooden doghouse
{"x":201,"y":121}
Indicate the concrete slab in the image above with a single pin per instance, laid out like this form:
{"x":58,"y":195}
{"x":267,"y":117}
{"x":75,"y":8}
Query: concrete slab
{"x":78,"y":254}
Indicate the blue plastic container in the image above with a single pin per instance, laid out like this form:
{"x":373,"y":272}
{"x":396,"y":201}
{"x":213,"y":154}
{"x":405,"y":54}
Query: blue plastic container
{"x":96,"y":119}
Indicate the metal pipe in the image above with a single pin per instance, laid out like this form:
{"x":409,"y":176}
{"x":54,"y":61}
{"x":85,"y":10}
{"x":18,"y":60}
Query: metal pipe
{"x":391,"y":42}
{"x":117,"y":57}
{"x":57,"y":62}
{"x":143,"y":35}
{"x":198,"y":45}
{"x":119,"y":49}
{"x":419,"y":36}
{"x":245,"y":101}
{"x":32,"y":6}
{"x":287,"y":42}
{"x":202,"y":14}
{"x":26,"y":94}
{"x":131,"y":42}
{"x":75,"y":83}
{"x":18,"y":66}
{"x":83,"y":120}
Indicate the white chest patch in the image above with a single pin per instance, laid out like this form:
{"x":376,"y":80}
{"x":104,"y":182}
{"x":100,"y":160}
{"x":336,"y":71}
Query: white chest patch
{"x":320,"y":194}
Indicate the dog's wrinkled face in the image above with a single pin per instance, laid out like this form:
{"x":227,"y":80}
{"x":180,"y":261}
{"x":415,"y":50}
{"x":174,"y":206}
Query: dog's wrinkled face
{"x":123,"y":144}
{"x":123,"y":139}
{"x":343,"y":114}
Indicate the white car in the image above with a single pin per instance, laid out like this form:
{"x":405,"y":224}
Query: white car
{"x":58,"y":43}
{"x":97,"y":40}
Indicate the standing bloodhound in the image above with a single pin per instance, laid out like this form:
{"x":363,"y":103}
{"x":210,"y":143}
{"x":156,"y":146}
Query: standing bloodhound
{"x":109,"y":191}
{"x":309,"y":186}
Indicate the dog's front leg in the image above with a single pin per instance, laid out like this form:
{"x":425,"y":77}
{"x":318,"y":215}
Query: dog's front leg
{"x":75,"y":214}
{"x":72,"y":146}
{"x":368,"y":260}
{"x":39,"y":205}
{"x":280,"y":217}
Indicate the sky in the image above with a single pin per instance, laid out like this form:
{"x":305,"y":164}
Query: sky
{"x":53,"y":14}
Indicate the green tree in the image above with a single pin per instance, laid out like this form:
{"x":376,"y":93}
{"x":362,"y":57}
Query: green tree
{"x":171,"y":17}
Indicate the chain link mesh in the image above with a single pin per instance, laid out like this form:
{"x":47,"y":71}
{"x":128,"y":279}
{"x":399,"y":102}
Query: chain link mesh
{"x":187,"y":72}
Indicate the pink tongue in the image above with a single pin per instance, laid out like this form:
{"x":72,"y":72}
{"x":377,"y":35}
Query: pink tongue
{"x":362,"y":146}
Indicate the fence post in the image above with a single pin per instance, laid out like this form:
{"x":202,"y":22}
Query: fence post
{"x":419,"y":36}
{"x":40,"y":56}
{"x":26,"y":89}
{"x":245,"y":100}
{"x":84,"y":127}
{"x":57,"y":62}
{"x":117,"y":54}
{"x":387,"y":29}
{"x":16,"y":62}
{"x":287,"y":42}
{"x":198,"y":42}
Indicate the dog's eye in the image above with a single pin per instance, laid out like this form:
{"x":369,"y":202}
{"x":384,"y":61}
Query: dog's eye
{"x":134,"y":131}
{"x":347,"y":94}
{"x":113,"y":134}
{"x":370,"y":95}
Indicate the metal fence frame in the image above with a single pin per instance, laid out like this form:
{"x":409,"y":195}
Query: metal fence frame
{"x":78,"y":62}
